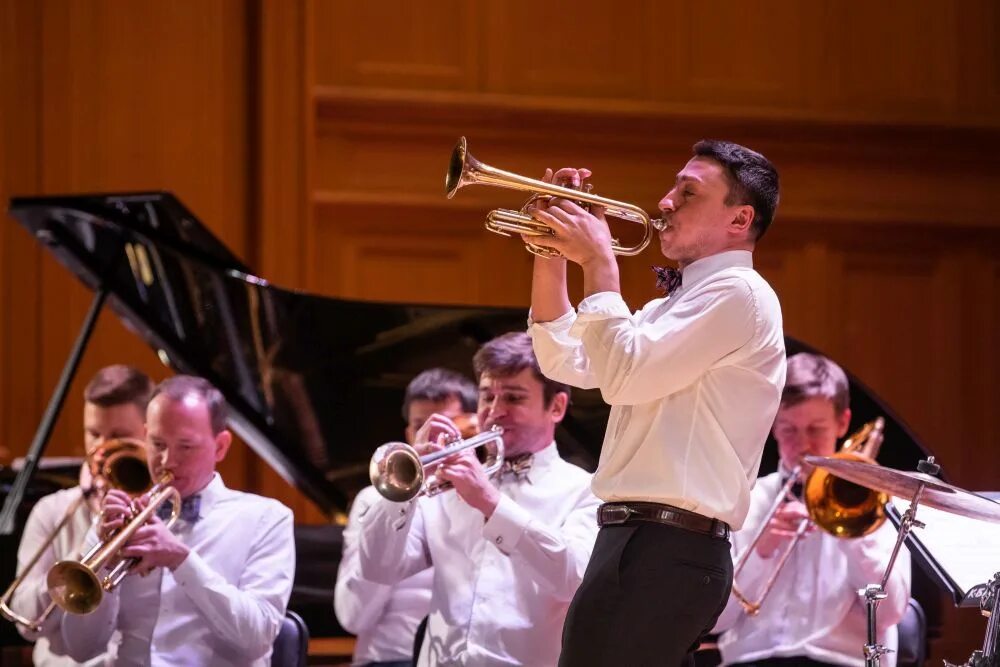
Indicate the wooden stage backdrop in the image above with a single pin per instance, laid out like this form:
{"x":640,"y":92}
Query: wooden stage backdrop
{"x":312,"y":136}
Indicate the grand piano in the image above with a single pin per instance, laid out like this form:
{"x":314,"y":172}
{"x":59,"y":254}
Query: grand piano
{"x":315,"y":383}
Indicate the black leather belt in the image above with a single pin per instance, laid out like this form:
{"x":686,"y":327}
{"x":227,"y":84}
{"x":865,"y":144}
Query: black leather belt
{"x":611,"y":514}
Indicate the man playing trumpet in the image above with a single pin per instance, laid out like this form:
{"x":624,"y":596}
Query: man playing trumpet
{"x":114,"y":408}
{"x":508,"y":552}
{"x":215,"y":590}
{"x":813,"y":614}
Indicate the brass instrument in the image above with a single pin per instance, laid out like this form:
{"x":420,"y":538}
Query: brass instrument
{"x":75,"y":586}
{"x":399,"y":473}
{"x":464,"y":169}
{"x":124,"y":467}
{"x":839,"y":507}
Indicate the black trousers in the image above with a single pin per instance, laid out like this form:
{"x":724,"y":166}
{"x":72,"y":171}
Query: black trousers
{"x":649,"y":593}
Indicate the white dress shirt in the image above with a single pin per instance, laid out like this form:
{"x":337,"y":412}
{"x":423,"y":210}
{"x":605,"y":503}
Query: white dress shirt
{"x":222,"y":606}
{"x":693,"y":380}
{"x":31,"y":598}
{"x":814,"y":608}
{"x":501,"y":587}
{"x":385,"y":618}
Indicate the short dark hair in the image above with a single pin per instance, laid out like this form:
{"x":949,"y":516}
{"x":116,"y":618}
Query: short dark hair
{"x":178,"y":387}
{"x":752,"y":179}
{"x":119,"y":385}
{"x":814,"y":376}
{"x":440,"y":384}
{"x":510,"y":354}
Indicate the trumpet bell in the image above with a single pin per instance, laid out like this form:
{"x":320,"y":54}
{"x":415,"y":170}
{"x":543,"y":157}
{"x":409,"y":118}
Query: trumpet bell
{"x":842,"y":508}
{"x":396,"y":472}
{"x":74,"y":587}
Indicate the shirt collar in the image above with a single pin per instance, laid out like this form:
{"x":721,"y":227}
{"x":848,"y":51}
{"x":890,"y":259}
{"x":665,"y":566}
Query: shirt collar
{"x":702,"y":268}
{"x":541,"y":459}
{"x":211,"y":493}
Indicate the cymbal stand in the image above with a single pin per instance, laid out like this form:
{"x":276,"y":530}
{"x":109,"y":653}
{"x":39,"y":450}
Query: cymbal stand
{"x":875,"y":593}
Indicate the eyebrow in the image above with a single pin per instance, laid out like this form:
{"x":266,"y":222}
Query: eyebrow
{"x":508,"y":387}
{"x":687,"y":177}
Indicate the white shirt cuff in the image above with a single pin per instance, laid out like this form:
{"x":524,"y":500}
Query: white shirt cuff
{"x":194,"y":572}
{"x":508,"y":523}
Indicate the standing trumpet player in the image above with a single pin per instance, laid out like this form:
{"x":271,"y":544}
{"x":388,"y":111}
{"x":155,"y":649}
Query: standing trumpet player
{"x":812,"y":614}
{"x":114,"y":407}
{"x":213,"y":592}
{"x":693,"y":380}
{"x":509,"y":552}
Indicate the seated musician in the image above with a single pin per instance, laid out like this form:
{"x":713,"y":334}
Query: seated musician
{"x":508,"y":552}
{"x":385,"y":618}
{"x":114,"y":407}
{"x":214,"y":590}
{"x":813,"y":615}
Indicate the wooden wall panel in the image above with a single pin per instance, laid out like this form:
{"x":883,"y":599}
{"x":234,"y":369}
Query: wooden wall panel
{"x":396,"y":44}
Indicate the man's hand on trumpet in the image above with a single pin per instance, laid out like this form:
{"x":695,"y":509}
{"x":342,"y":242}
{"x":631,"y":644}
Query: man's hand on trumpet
{"x":463,"y":470}
{"x":155,"y":546}
{"x":116,"y":510}
{"x":582,"y":237}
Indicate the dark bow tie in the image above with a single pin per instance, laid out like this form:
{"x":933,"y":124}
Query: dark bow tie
{"x":517,"y":466}
{"x":667,"y":279}
{"x":189,"y":509}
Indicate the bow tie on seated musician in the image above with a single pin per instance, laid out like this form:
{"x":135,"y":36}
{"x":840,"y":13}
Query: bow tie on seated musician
{"x":508,"y":550}
{"x":812,"y":612}
{"x":214,"y":588}
{"x":385,"y":618}
{"x":113,"y":412}
{"x":693,"y":381}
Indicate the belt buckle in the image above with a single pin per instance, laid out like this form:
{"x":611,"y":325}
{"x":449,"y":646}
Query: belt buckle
{"x":614,"y":515}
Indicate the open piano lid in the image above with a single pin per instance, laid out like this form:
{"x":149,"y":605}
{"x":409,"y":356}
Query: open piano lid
{"x":315,"y":383}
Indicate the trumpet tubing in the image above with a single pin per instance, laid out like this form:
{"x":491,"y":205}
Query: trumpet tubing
{"x":399,"y":473}
{"x":76,"y":587}
{"x":463,"y":170}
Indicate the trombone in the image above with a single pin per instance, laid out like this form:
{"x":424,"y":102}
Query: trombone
{"x":400,"y":473}
{"x":124,"y":467}
{"x":463,"y":169}
{"x":839,"y":507}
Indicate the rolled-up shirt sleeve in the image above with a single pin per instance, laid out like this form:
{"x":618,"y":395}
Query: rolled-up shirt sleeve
{"x":560,"y":355}
{"x":636,"y":362}
{"x":556,"y":556}
{"x":247,"y":616}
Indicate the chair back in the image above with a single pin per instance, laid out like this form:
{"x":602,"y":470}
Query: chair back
{"x":912,"y":649}
{"x":292,"y":644}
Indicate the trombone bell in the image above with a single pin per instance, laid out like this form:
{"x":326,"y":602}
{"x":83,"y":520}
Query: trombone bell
{"x":463,"y":170}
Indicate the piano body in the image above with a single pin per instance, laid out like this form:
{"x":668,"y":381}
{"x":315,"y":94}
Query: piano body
{"x":315,"y":383}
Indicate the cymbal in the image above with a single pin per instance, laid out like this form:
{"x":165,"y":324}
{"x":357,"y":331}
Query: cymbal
{"x":937,"y":494}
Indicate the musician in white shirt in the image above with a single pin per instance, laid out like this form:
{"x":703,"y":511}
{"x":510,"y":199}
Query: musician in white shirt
{"x":385,"y":618}
{"x":813,"y":614}
{"x":215,"y":590}
{"x":693,"y":380}
{"x":508,"y":553}
{"x":114,"y":407}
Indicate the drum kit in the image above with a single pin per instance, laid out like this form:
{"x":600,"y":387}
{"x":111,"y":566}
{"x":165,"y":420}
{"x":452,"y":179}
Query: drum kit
{"x":920,"y":488}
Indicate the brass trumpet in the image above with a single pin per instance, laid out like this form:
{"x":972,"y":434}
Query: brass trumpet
{"x":124,"y":467}
{"x":464,"y":169}
{"x":839,"y":507}
{"x":76,"y":587}
{"x":399,"y":473}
